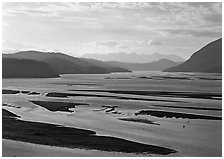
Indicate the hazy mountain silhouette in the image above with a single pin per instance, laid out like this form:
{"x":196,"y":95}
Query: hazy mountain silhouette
{"x":65,"y":64}
{"x":152,"y":66}
{"x":18,"y":68}
{"x":133,"y":57}
{"x":113,"y":67}
{"x":207,"y":59}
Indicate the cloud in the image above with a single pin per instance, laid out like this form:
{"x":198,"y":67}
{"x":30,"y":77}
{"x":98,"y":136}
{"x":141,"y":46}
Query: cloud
{"x":132,"y":44}
{"x":204,"y":33}
{"x":96,"y":14}
{"x":8,"y":44}
{"x":214,"y":18}
{"x":107,"y":43}
{"x":154,"y":42}
{"x":127,"y":43}
{"x":196,"y":32}
{"x":5,"y":24}
{"x":123,"y":44}
{"x":110,"y":26}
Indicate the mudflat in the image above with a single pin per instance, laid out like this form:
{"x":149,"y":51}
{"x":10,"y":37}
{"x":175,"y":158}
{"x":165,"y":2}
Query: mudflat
{"x":155,"y":117}
{"x":58,"y":135}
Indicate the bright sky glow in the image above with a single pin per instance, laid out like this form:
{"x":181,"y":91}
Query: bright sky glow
{"x":80,"y":28}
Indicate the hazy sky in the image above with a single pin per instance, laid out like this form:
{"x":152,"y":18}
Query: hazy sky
{"x":79,"y":28}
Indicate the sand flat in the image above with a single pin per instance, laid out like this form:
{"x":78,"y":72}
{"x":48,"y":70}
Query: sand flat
{"x":188,"y":137}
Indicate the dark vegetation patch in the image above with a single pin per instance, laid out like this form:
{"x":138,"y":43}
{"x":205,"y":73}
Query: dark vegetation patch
{"x":118,"y":78}
{"x":145,"y":121}
{"x":117,"y":112}
{"x":10,"y":105}
{"x":25,"y":92}
{"x":151,"y":78}
{"x":6,"y":91}
{"x":8,"y":114}
{"x":170,"y":77}
{"x":23,"y":68}
{"x":56,"y":94}
{"x":166,"y":114}
{"x":179,"y":94}
{"x":109,"y":109}
{"x":57,"y":106}
{"x":183,"y":107}
{"x":145,"y":77}
{"x":33,"y":93}
{"x":77,"y":84}
{"x":65,"y":95}
{"x":205,"y":78}
{"x":56,"y":135}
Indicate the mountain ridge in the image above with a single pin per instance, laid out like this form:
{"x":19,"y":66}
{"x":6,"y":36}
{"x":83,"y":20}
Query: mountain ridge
{"x":207,"y":59}
{"x":64,"y":64}
{"x":133,"y":57}
{"x":23,"y":68}
{"x":151,"y":66}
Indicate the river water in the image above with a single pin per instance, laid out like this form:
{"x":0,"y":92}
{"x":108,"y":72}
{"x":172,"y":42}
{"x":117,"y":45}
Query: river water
{"x":190,"y":137}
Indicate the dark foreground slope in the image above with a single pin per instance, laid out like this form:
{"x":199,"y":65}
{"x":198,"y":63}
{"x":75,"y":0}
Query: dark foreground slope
{"x":57,"y":135}
{"x":63,"y":64}
{"x":17,"y":68}
{"x":151,"y":66}
{"x":208,"y":59}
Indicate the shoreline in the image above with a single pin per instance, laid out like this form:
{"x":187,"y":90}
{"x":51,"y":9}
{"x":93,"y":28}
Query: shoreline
{"x":14,"y":148}
{"x":70,"y":137}
{"x":190,"y":137}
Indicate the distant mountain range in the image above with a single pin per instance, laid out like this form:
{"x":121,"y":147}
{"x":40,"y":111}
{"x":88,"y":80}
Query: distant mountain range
{"x":207,"y":59}
{"x":24,"y":64}
{"x":20,"y":68}
{"x":151,"y":66}
{"x":133,"y":57}
{"x":64,"y":64}
{"x":35,"y":64}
